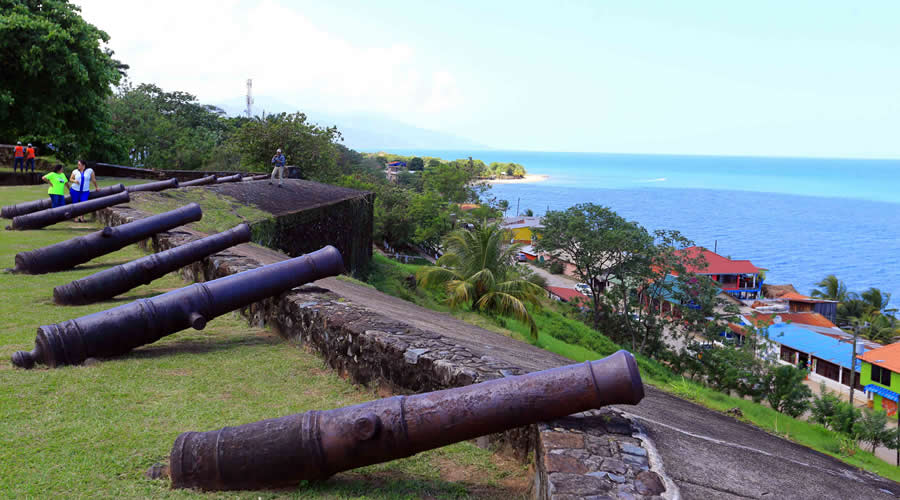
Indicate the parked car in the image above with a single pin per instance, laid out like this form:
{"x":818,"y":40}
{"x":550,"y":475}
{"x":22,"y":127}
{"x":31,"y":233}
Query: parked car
{"x":520,"y":257}
{"x":583,"y":289}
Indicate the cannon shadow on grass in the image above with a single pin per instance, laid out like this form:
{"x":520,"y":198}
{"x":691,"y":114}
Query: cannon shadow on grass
{"x":204,"y":346}
{"x":98,"y":265}
{"x":91,"y":229}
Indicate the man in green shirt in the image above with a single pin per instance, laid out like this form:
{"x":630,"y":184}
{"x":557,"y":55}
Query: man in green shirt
{"x":58,"y":183}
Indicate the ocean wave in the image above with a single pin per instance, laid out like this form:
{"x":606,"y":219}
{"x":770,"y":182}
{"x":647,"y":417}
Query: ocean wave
{"x":659,"y":179}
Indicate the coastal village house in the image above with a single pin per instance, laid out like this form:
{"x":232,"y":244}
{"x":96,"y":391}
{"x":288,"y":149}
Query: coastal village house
{"x":522,"y":229}
{"x":881,"y":377}
{"x":739,"y":278}
{"x":810,"y":341}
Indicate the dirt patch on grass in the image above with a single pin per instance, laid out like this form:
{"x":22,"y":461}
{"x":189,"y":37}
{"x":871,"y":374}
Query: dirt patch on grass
{"x":177,"y":373}
{"x":389,"y":484}
{"x":509,"y":475}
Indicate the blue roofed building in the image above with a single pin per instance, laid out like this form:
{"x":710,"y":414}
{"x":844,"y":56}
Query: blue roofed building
{"x":825,"y":352}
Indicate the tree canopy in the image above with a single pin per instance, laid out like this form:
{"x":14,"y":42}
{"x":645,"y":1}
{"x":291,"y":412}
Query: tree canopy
{"x":166,"y":130}
{"x":56,"y":75}
{"x":304,"y":144}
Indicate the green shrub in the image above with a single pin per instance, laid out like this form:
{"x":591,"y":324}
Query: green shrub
{"x":557,"y":267}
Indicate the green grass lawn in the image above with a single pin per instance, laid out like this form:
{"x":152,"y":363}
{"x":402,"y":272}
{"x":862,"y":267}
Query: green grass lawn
{"x":578,"y":342}
{"x":92,"y":431}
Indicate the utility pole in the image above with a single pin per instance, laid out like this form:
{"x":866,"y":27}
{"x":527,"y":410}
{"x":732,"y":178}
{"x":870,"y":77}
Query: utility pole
{"x":853,"y":362}
{"x":517,"y":206}
{"x":249,"y":110}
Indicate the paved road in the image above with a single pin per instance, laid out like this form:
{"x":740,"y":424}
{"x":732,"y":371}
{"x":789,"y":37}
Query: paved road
{"x":707,"y":454}
{"x":559,"y":280}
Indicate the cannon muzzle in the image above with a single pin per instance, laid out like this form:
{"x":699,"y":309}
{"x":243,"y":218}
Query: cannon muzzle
{"x":118,"y":330}
{"x":317,"y":444}
{"x":67,"y":254}
{"x":153,"y":186}
{"x":111,"y":282}
{"x":209,"y":179}
{"x":11,"y":211}
{"x":50,"y":216}
{"x":230,"y":178}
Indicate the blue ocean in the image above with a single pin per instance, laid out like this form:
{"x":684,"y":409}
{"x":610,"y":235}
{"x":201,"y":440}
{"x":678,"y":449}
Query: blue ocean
{"x":800,"y":218}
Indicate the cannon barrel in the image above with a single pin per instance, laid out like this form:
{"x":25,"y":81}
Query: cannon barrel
{"x":317,"y":444}
{"x":111,"y":282}
{"x":27,"y":207}
{"x":209,"y":179}
{"x":230,"y":178}
{"x":50,"y":216}
{"x":67,"y":254}
{"x":153,"y":186}
{"x":257,"y":177}
{"x":120,"y":329}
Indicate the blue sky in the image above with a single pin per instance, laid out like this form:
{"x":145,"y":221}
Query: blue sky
{"x":694,"y":77}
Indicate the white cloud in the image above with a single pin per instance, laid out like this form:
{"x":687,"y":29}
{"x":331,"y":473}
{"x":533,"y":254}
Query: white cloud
{"x":210,"y":48}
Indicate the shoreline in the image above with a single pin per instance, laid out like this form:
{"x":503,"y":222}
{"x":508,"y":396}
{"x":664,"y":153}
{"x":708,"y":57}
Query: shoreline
{"x":529,"y":178}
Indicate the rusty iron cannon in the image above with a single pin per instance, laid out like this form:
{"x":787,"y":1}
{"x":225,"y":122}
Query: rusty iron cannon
{"x":118,"y":330}
{"x":67,"y":254}
{"x":209,"y":179}
{"x":257,"y":177}
{"x":111,"y":282}
{"x":153,"y":186}
{"x":229,"y":178}
{"x":50,"y":216}
{"x":317,"y":444}
{"x":27,"y":207}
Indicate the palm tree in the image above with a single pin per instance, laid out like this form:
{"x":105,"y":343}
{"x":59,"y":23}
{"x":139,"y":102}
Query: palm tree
{"x":875,"y":326}
{"x":876,"y":300}
{"x":852,"y":308}
{"x":831,"y":288}
{"x":476,"y":269}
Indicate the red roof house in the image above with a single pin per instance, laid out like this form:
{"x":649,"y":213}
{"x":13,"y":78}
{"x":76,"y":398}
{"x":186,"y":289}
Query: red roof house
{"x":740,"y":278}
{"x":567,"y":294}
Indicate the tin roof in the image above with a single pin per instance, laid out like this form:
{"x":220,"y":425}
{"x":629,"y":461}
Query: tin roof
{"x":885,"y":357}
{"x":821,"y":346}
{"x":796,"y":297}
{"x":716,"y":264}
{"x":567,"y":294}
{"x":810,"y":318}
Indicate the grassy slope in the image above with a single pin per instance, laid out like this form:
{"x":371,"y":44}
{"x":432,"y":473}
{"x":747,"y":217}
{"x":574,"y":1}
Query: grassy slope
{"x":92,"y":431}
{"x":578,"y":342}
{"x":220,"y":212}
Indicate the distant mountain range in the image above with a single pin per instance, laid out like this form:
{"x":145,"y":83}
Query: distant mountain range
{"x":362,"y":131}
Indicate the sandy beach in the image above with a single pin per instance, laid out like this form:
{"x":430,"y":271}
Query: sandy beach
{"x":527,"y":179}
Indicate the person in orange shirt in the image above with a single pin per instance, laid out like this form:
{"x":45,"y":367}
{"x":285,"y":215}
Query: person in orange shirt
{"x":29,"y":158}
{"x":20,"y":157}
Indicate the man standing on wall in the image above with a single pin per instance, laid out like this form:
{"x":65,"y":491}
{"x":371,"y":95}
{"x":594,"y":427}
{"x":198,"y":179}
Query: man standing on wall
{"x":19,"y":157}
{"x":278,"y":161}
{"x":29,"y":157}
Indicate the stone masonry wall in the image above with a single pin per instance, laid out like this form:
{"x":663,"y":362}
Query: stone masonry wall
{"x":590,"y":455}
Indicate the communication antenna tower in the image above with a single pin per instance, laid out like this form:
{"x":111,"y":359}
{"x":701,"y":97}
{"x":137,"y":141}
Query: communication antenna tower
{"x":249,"y":109}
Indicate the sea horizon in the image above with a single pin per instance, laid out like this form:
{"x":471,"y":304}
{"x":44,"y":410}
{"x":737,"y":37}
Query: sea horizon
{"x":801,"y":218}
